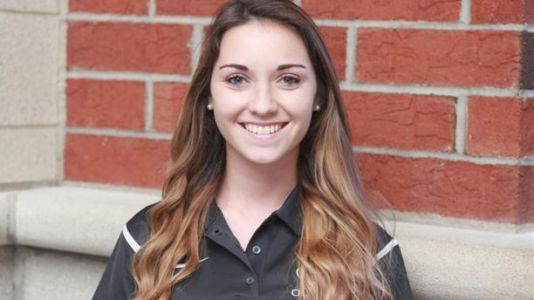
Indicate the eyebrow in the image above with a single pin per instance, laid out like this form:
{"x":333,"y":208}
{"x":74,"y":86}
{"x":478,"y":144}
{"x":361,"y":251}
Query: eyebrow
{"x":280,"y":67}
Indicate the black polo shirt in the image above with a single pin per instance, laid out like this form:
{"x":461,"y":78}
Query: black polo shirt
{"x":265,"y":271}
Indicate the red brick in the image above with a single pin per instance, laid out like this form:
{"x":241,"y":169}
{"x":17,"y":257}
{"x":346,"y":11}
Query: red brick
{"x":433,"y":57}
{"x":498,"y":11}
{"x":526,"y":194}
{"x":448,"y":188}
{"x":159,"y":48}
{"x":135,"y":7}
{"x":335,"y":38}
{"x":527,"y":128}
{"x":168,"y":102}
{"x":200,"y":7}
{"x":114,"y":160}
{"x":500,"y":126}
{"x":108,"y":104}
{"x":427,"y":10}
{"x":401,"y":121}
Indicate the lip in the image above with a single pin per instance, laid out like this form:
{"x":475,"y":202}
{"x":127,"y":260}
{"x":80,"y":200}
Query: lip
{"x":266,"y":136}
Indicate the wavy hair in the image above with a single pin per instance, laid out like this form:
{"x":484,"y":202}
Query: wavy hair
{"x":335,"y":255}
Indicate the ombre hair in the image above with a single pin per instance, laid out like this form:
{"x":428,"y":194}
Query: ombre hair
{"x":336,"y":252}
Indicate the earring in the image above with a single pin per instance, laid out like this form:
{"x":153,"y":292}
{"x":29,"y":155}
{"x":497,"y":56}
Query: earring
{"x":210,"y":106}
{"x":317,"y":107}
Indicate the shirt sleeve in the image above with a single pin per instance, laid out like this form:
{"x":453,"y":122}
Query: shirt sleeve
{"x":117,"y":282}
{"x":390,"y":258}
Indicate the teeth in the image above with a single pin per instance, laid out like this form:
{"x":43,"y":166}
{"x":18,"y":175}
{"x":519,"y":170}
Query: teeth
{"x":263,"y":130}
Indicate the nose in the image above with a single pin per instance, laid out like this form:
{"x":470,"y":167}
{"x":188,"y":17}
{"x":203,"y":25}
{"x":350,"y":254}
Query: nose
{"x":263,"y":101}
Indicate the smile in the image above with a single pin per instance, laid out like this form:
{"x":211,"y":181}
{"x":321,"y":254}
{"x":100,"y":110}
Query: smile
{"x":263,"y":129}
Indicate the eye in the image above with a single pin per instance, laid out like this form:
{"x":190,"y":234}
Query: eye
{"x":290,"y":80}
{"x":236,"y":80}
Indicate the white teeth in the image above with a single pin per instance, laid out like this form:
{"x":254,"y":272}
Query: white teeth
{"x":263,"y":130}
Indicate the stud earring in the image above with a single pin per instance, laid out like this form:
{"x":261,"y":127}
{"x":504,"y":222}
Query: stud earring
{"x":317,"y":107}
{"x":210,"y":106}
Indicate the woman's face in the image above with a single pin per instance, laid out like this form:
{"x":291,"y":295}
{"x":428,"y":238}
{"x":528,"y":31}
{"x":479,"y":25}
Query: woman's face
{"x":263,"y":90}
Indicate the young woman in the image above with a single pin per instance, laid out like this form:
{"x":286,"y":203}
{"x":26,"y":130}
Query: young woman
{"x":262,"y":199}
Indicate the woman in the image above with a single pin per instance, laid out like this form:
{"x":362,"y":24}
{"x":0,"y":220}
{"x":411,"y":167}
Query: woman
{"x":262,"y":199}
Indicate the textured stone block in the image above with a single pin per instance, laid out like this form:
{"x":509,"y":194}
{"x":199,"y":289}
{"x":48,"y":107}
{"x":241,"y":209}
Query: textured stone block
{"x":48,"y":275}
{"x":28,"y":155}
{"x":75,"y":219}
{"x":28,"y":69}
{"x":4,"y":218}
{"x":6,"y":272}
{"x":40,"y":6}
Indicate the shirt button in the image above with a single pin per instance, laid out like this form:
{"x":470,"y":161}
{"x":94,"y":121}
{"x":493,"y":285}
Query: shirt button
{"x":256,"y":249}
{"x":250,"y":280}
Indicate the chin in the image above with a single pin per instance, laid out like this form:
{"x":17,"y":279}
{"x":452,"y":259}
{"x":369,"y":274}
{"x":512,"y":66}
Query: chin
{"x":263,"y":160}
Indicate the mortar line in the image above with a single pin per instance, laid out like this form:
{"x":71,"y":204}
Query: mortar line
{"x":110,"y":132}
{"x":431,"y":90}
{"x":195,"y":43}
{"x":465,"y":11}
{"x":148,"y":19}
{"x":61,"y":103}
{"x":350,"y":65}
{"x":12,"y":218}
{"x":423,"y":25}
{"x":461,"y":124}
{"x":134,"y":76}
{"x":449,"y":156}
{"x":152,"y":8}
{"x":397,"y":24}
{"x":149,"y":105}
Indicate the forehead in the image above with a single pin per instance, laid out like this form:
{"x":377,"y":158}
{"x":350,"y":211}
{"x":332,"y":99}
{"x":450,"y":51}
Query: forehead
{"x":263,"y":39}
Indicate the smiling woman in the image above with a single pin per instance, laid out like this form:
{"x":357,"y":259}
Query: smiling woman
{"x":262,"y":199}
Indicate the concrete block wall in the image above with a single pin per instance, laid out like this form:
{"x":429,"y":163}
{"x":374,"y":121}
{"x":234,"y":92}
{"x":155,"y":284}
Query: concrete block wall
{"x":62,"y":235}
{"x":30,"y":54}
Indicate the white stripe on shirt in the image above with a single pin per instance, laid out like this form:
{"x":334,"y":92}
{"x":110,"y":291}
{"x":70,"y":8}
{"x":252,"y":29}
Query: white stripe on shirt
{"x":386,"y":249}
{"x":130,"y":240}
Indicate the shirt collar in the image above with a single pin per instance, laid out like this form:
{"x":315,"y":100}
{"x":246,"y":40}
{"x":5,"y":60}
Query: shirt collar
{"x":289,"y":213}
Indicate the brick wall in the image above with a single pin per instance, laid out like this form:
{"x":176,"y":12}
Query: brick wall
{"x":440,"y":96}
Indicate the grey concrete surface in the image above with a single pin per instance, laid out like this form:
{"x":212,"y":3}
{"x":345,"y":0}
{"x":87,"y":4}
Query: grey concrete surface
{"x":28,"y":154}
{"x":4,"y":218}
{"x":29,"y":67}
{"x":51,"y":275}
{"x":7,"y":267}
{"x":443,"y":261}
{"x":74,"y":219}
{"x":31,"y":6}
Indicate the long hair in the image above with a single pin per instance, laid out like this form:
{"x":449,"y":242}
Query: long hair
{"x":335,"y":255}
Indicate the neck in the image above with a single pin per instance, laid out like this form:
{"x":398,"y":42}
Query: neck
{"x":259,"y":187}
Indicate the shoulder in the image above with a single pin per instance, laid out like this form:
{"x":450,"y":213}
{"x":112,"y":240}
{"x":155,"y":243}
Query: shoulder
{"x":137,"y":230}
{"x":386,"y":243}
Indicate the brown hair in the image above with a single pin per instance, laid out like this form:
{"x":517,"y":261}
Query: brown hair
{"x":336,"y":253}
